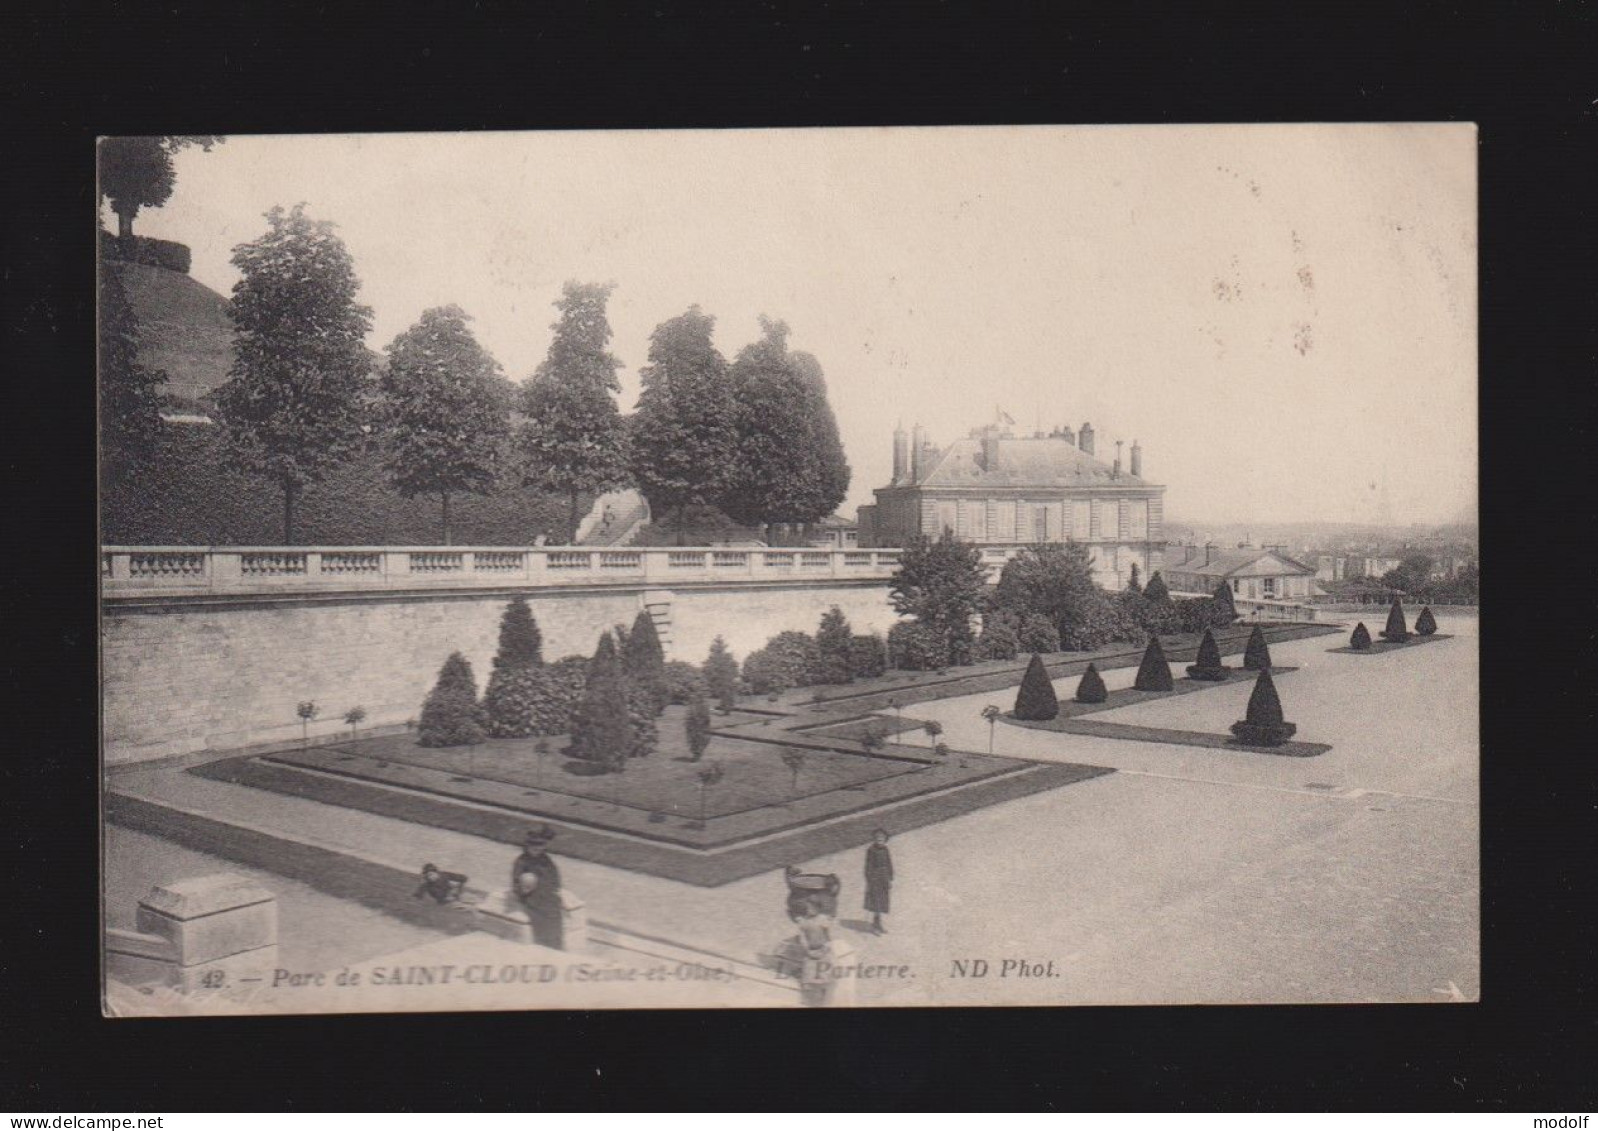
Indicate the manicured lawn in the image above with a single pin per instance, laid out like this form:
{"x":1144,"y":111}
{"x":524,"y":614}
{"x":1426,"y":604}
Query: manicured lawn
{"x":665,"y":782}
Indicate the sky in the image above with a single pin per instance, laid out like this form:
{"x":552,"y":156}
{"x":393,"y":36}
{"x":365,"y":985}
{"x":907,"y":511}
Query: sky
{"x":1283,"y":316}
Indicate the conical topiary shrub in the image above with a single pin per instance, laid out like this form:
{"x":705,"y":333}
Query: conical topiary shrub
{"x":643,"y":662}
{"x":520,"y":642}
{"x":1156,"y":590}
{"x":603,"y":730}
{"x":1257,"y":654}
{"x":450,"y":713}
{"x":1360,"y":638}
{"x":1263,"y":724}
{"x":1208,"y":666}
{"x":1226,"y":606}
{"x":1036,"y":701}
{"x":1091,"y":689}
{"x":1397,"y":630}
{"x":1426,"y":624}
{"x":1154,"y":673}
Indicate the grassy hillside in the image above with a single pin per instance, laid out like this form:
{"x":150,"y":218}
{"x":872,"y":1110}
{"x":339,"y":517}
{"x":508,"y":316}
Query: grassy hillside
{"x":192,"y":493}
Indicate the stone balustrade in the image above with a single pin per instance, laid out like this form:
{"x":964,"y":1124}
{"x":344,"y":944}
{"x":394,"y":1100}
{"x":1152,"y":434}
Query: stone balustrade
{"x":135,"y":571}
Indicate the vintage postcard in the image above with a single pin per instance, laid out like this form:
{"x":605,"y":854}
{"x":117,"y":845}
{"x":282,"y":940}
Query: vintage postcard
{"x":789,"y":568}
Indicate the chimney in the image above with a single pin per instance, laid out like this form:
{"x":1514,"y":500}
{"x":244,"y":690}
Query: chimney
{"x":1067,"y":435}
{"x":1209,"y":552}
{"x":1084,"y":438}
{"x":1115,"y":471}
{"x":990,"y":449}
{"x":918,"y":453}
{"x":1137,"y":458}
{"x":901,"y":453}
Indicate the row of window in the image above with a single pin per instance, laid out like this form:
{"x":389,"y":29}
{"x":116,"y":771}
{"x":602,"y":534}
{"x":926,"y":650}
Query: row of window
{"x":1043,"y":522}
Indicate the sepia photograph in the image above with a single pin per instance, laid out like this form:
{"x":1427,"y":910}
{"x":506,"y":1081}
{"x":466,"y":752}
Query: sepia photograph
{"x":788,"y":568}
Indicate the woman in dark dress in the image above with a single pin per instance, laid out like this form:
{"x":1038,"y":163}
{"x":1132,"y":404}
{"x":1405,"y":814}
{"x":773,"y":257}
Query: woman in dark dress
{"x":879,"y":879}
{"x":535,"y":882}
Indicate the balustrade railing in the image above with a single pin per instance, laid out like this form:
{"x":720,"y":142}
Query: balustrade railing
{"x":129,"y":571}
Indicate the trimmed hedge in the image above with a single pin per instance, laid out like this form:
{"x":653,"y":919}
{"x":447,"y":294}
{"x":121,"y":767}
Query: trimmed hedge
{"x":1035,"y":701}
{"x":1360,"y":638}
{"x":1263,"y":723}
{"x":1426,"y":624}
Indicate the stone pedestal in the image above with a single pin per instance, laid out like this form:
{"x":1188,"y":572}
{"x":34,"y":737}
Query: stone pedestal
{"x":501,"y":913}
{"x":208,"y":932}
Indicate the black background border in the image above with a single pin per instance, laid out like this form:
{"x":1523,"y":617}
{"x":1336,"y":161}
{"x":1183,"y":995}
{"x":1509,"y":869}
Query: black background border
{"x":71,"y":73}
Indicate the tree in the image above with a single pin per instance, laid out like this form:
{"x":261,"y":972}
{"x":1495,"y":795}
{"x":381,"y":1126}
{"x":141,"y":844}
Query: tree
{"x":834,"y":639}
{"x":450,"y":714}
{"x":1257,"y":653}
{"x":1055,"y":580}
{"x":1154,"y":673}
{"x":353,"y":718}
{"x":1132,"y":582}
{"x":130,"y":393}
{"x":1397,"y":630}
{"x":933,"y":728}
{"x":644,"y":662}
{"x":602,"y":732}
{"x":991,"y":713}
{"x":1156,"y":590}
{"x":696,"y":725}
{"x":1000,"y":638}
{"x":1226,"y":607}
{"x":573,"y":439}
{"x":794,"y":759}
{"x":1426,"y":624}
{"x":137,"y":172}
{"x":1036,"y":701}
{"x":445,"y":409}
{"x":873,"y":738}
{"x":684,"y":436}
{"x":520,"y":643}
{"x":1263,"y":723}
{"x":1360,"y":638}
{"x":942,"y":585}
{"x":777,"y":476}
{"x":306,"y":711}
{"x":721,"y":675}
{"x":708,"y":776}
{"x":1208,"y":665}
{"x":1090,"y":688}
{"x":297,"y":396}
{"x":832,"y":466}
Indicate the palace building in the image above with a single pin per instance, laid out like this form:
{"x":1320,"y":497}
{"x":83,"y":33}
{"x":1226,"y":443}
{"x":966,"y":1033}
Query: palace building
{"x":1002,"y":490}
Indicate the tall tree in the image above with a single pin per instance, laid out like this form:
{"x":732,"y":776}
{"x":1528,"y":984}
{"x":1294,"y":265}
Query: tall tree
{"x":942,"y":585}
{"x":298,"y":395}
{"x":777,"y":476}
{"x":832,"y":470}
{"x":130,"y":393}
{"x":721,"y":675}
{"x":602,"y":731}
{"x":644,"y":663}
{"x":1055,"y":580}
{"x":137,"y":172}
{"x":684,"y":432}
{"x":574,"y":439}
{"x":446,"y":411}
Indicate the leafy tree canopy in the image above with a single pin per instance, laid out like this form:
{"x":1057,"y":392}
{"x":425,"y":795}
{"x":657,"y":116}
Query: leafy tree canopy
{"x":137,"y":172}
{"x":941,"y":584}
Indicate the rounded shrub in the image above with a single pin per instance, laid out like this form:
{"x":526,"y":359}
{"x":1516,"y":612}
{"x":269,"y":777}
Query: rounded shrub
{"x":868,"y":656}
{"x":450,"y":715}
{"x":1360,"y":638}
{"x":1091,"y":689}
{"x":1000,"y":638}
{"x":914,"y":647}
{"x":1038,"y":634}
{"x":683,"y":682}
{"x":1035,"y":701}
{"x":1426,"y":624}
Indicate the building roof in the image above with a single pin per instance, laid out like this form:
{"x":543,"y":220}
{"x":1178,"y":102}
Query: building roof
{"x":1230,"y":563}
{"x":1047,"y":461}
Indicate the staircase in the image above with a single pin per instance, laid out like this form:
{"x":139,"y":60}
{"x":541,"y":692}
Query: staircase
{"x":658,"y":604}
{"x":628,"y":513}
